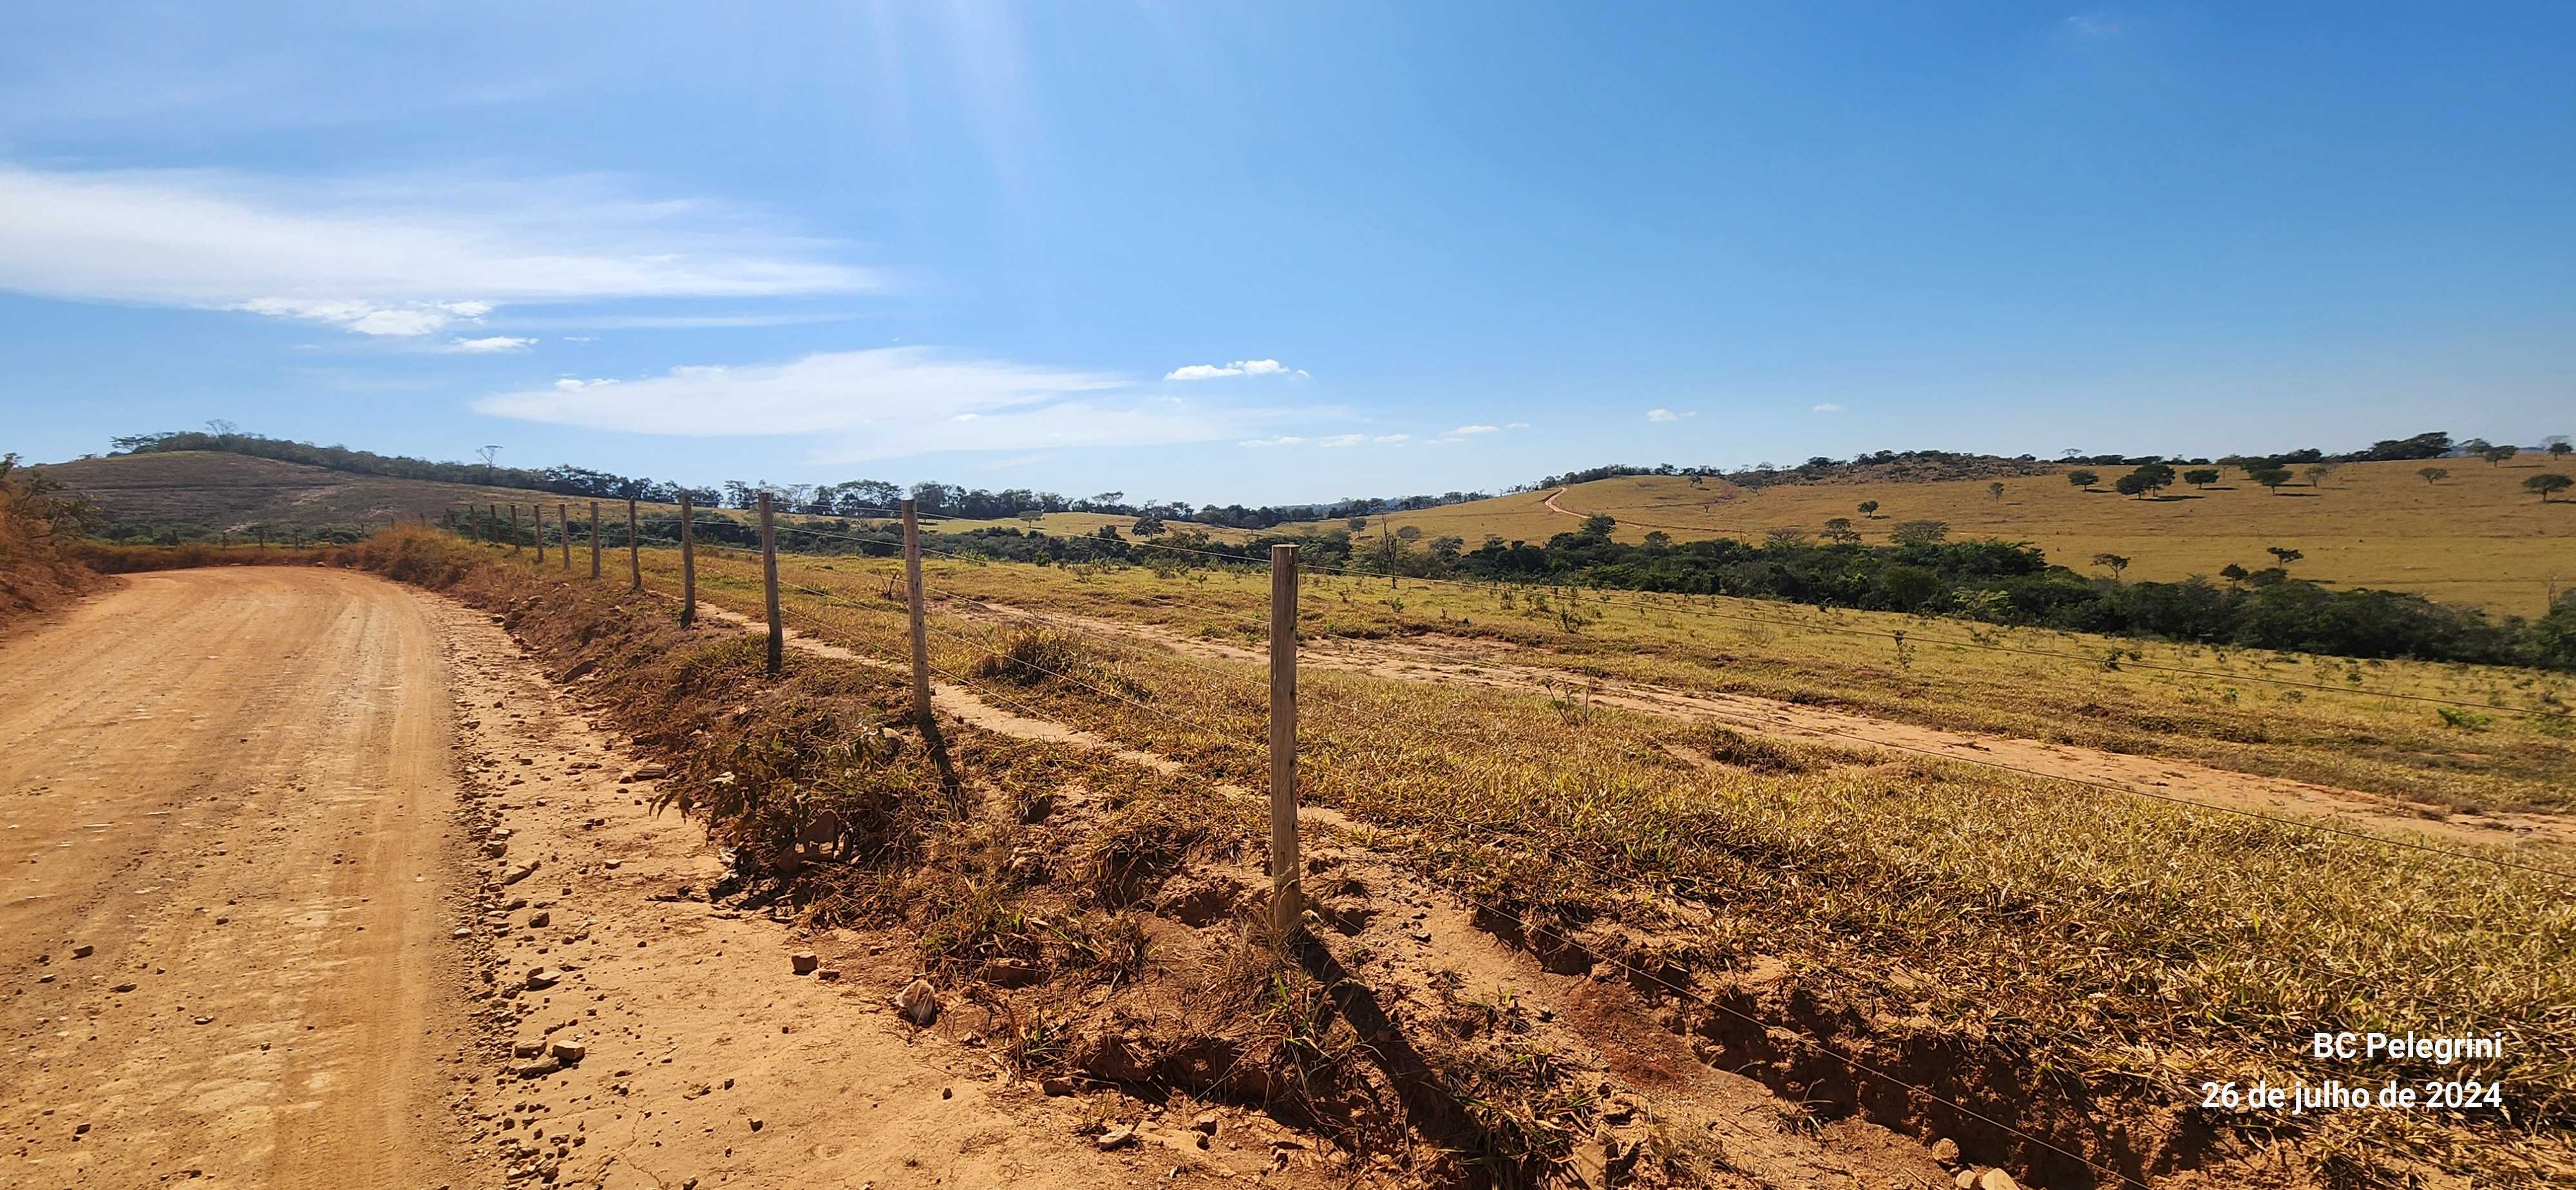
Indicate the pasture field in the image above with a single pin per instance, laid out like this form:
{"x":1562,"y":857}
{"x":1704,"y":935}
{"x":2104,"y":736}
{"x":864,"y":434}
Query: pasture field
{"x":1955,"y":917}
{"x":2475,"y":537}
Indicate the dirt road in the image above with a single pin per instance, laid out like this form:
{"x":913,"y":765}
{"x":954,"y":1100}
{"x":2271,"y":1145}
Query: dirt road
{"x":222,"y":803}
{"x":265,"y":924}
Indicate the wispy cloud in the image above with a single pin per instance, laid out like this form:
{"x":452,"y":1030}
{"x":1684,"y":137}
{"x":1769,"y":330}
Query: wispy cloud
{"x":1343,"y":440}
{"x":1241,"y":367}
{"x":1281,"y":440}
{"x":393,"y":256}
{"x":1828,"y":407}
{"x":1391,"y":439}
{"x":888,"y":402}
{"x":490,"y":345}
{"x":2093,"y":25}
{"x":1669,"y":415}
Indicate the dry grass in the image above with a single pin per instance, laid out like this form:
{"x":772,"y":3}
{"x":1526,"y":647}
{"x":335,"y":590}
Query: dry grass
{"x":2133,"y":946}
{"x":2234,"y":711}
{"x":2474,"y":538}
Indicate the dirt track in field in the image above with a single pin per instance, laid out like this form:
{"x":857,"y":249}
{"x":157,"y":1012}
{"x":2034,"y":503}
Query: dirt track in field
{"x":255,"y":932}
{"x":1463,"y":662}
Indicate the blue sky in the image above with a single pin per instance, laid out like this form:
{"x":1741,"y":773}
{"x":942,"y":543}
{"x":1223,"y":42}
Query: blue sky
{"x":1221,"y":252}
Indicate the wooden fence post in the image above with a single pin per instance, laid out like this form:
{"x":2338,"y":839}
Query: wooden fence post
{"x":921,"y":715}
{"x":634,"y":553}
{"x":1286,"y":899}
{"x":594,"y":541}
{"x":688,"y":567}
{"x":563,"y":525}
{"x":769,"y":579}
{"x":514,"y":528}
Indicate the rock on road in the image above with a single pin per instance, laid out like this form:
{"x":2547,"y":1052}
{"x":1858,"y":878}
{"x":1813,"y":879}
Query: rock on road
{"x":223,"y":810}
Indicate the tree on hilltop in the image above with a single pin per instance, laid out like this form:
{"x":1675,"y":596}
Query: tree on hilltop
{"x":2497,"y":454}
{"x":2433,"y":475}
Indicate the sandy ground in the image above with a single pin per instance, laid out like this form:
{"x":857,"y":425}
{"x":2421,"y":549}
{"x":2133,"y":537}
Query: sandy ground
{"x":285,"y":849}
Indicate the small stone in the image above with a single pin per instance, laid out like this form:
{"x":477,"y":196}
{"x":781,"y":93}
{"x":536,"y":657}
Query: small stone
{"x":1945,"y":1151}
{"x":517,"y":874}
{"x":1117,"y":1138}
{"x":828,"y":974}
{"x":81,"y":951}
{"x":1967,"y":1180}
{"x":570,"y":1053}
{"x":537,"y":1069}
{"x":527,"y":1049}
{"x":1996,"y":1179}
{"x":804,"y":961}
{"x":540,"y":918}
{"x":541,"y":979}
{"x":122,"y":987}
{"x":918,"y":1002}
{"x":1057,"y":1084}
{"x":755,"y":1123}
{"x":1205,"y":1122}
{"x":205,"y":1020}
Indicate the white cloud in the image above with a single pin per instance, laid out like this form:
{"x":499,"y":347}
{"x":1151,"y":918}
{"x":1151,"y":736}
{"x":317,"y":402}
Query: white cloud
{"x":491,"y":345}
{"x":1517,"y":425}
{"x":1391,"y":438}
{"x":1282,"y":440}
{"x":1667,"y":415}
{"x":887,"y":402}
{"x":1828,"y":407}
{"x":2092,"y":25}
{"x":1463,"y":431}
{"x":1241,"y":367}
{"x":397,"y":256}
{"x":1342,"y":440}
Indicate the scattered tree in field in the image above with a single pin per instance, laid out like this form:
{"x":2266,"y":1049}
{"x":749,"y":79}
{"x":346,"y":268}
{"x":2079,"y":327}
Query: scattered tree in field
{"x":1868,"y":507}
{"x":2113,"y":563}
{"x":1599,"y":525}
{"x":1032,"y":515}
{"x":1784,"y":535}
{"x":2201,"y":478}
{"x":1995,"y":490}
{"x":1107,"y":533}
{"x":2433,"y":475}
{"x":1149,"y":525}
{"x":1839,"y":531}
{"x":2138,"y":484}
{"x":1410,"y":533}
{"x":2284,"y":554}
{"x":1357,"y":523}
{"x":1919,"y":532}
{"x":2317,"y":472}
{"x":2474,"y":447}
{"x":2083,"y":479}
{"x":2547,"y":485}
{"x":2497,"y":454}
{"x":2234,"y":573}
{"x":2556,"y":445}
{"x":2270,"y":476}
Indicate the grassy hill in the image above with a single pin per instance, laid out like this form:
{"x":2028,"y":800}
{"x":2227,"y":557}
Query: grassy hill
{"x":221,"y":491}
{"x":2474,"y":538}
